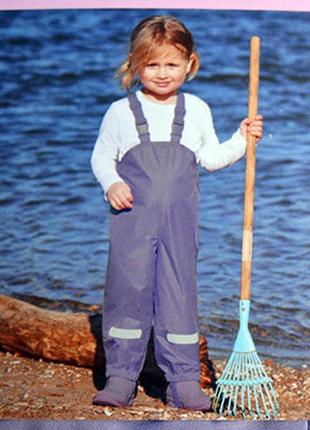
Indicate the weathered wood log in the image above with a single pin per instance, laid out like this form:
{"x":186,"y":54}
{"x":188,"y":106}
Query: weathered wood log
{"x":71,"y":338}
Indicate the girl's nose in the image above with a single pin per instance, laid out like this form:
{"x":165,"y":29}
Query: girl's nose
{"x":162,"y":72}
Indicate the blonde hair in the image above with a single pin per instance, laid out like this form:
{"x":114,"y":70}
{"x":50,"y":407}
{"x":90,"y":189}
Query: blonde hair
{"x":146,"y":37}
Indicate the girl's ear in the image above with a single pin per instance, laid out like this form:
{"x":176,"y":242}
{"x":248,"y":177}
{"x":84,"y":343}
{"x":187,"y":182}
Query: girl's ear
{"x":190,"y":63}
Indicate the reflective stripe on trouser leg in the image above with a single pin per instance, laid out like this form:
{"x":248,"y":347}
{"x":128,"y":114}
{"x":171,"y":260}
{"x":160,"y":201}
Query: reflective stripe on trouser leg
{"x":176,"y":315}
{"x":128,"y":301}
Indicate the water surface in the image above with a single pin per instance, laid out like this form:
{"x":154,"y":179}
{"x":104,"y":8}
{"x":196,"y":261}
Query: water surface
{"x":57,"y":81}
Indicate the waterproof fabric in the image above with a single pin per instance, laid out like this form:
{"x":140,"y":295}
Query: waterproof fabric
{"x":151,"y":273}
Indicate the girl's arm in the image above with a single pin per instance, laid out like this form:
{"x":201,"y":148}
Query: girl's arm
{"x":213,"y":155}
{"x":104,"y":155}
{"x":103,"y":162}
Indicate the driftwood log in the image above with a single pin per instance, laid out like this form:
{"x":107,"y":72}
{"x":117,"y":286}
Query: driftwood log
{"x":71,"y":338}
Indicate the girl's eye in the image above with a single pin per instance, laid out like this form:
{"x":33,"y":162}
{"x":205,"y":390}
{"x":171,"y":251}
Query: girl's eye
{"x":173,"y":65}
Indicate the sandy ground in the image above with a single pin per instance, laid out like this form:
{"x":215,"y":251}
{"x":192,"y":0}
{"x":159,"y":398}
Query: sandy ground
{"x":35,"y":389}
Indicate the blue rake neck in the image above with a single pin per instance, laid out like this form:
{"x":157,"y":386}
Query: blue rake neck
{"x":244,"y":342}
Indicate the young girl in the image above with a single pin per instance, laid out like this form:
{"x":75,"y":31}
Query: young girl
{"x":146,"y":159}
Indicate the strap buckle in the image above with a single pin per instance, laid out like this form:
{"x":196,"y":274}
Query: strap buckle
{"x":142,"y":129}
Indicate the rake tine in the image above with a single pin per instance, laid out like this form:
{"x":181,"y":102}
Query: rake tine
{"x":269,"y":389}
{"x":220,"y":394}
{"x":237,"y":388}
{"x":217,"y":397}
{"x":262,"y":374}
{"x":233,"y":377}
{"x":248,"y":388}
{"x":257,"y":388}
{"x":243,"y":388}
{"x":223,"y":399}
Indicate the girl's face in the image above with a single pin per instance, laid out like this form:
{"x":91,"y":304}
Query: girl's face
{"x":165,"y":73}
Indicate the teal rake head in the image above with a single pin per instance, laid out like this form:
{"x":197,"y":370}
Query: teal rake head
{"x":244,"y":387}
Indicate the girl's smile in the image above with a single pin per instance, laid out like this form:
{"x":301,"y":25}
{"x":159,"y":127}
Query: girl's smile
{"x":165,"y":73}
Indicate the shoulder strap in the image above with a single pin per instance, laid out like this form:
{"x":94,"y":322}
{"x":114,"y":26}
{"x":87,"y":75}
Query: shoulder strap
{"x":141,"y":123}
{"x":178,"y":122}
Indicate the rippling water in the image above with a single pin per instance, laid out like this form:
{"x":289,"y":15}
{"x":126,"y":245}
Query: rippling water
{"x":57,"y":81}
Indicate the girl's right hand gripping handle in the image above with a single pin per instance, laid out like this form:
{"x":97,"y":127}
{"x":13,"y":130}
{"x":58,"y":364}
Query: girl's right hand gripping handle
{"x":248,"y":214}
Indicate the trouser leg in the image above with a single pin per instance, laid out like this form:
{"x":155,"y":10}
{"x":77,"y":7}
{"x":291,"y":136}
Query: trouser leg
{"x":176,"y":315}
{"x":128,"y":303}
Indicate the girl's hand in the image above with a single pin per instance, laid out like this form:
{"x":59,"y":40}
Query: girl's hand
{"x":253,"y":127}
{"x":119,"y":196}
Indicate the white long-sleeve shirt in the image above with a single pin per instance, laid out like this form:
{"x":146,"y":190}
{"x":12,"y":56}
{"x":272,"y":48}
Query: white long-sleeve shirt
{"x":118,"y":134}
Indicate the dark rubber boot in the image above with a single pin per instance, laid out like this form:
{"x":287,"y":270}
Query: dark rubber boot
{"x":117,"y":392}
{"x":187,"y":395}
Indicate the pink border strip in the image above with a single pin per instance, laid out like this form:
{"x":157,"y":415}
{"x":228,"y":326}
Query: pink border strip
{"x":283,"y":5}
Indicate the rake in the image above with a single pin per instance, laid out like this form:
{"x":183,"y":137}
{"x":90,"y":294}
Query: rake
{"x":244,"y":386}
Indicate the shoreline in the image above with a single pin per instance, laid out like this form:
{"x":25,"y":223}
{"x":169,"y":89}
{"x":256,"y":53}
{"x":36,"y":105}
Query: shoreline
{"x":37,"y":389}
{"x":75,"y":306}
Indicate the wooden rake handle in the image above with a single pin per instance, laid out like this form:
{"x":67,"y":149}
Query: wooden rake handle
{"x":249,"y":186}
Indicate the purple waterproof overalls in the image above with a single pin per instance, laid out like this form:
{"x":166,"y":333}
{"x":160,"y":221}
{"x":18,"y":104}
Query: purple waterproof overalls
{"x":151,"y":274}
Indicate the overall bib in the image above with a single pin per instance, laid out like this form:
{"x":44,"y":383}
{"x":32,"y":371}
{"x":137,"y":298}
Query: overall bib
{"x":151,"y":273}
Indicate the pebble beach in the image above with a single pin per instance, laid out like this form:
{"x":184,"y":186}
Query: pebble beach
{"x":36,"y":389}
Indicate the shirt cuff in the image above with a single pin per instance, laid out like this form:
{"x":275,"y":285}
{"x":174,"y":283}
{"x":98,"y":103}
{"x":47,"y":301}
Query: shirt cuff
{"x":240,"y":141}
